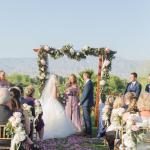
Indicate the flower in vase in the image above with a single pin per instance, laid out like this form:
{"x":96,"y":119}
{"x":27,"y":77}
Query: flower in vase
{"x":72,"y":51}
{"x":42,"y":68}
{"x":12,"y":119}
{"x":37,"y":102}
{"x":43,"y":62}
{"x":36,"y":50}
{"x":42,"y":76}
{"x":134,"y":128}
{"x":46,"y":48}
{"x":107,"y":50}
{"x":26,"y":107}
{"x":78,"y":54}
{"x":17,"y":114}
{"x":102,"y":82}
{"x":121,"y":111}
{"x":106,"y":63}
{"x":86,"y":47}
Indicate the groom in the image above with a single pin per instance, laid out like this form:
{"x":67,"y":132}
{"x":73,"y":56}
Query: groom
{"x":87,"y":102}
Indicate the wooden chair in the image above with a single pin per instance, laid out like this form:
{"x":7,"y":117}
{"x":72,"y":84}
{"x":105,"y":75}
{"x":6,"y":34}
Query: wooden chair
{"x":4,"y":138}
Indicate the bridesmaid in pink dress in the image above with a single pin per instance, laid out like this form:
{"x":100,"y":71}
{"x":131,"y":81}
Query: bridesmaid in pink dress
{"x":72,"y":99}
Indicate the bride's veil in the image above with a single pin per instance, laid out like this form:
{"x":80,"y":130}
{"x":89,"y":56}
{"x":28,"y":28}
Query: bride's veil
{"x":48,"y":89}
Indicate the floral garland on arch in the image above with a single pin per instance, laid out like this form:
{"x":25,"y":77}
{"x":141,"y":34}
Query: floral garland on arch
{"x":70,"y":52}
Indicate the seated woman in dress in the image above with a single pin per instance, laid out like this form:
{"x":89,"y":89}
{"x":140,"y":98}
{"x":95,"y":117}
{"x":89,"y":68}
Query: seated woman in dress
{"x":5,"y":111}
{"x":29,"y":97}
{"x":116,"y":116}
{"x":135,"y":118}
{"x":16,"y":107}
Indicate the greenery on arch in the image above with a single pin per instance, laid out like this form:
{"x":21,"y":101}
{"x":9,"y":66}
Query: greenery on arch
{"x":70,"y":52}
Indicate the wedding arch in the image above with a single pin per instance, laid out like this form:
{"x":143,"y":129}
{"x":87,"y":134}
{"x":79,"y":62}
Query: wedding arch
{"x":105,"y":56}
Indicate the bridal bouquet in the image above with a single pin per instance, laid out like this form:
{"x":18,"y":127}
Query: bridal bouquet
{"x":15,"y":129}
{"x":62,"y":98}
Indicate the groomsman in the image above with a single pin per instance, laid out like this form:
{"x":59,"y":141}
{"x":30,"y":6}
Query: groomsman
{"x":87,"y":103}
{"x":147,"y":88}
{"x":134,"y":85}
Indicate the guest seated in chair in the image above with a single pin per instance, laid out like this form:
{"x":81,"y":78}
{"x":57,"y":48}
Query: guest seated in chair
{"x":17,"y":107}
{"x":5,"y":111}
{"x":112,"y":132}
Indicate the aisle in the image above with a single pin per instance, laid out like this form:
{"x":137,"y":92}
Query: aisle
{"x":74,"y":142}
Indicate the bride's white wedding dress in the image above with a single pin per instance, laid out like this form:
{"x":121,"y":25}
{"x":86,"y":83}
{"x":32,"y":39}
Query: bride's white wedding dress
{"x":57,"y":124}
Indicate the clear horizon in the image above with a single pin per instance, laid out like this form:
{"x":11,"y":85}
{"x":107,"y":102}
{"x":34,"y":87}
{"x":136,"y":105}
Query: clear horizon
{"x":121,"y":25}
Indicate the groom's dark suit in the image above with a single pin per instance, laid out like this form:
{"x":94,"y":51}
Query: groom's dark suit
{"x":134,"y":87}
{"x":87,"y":102}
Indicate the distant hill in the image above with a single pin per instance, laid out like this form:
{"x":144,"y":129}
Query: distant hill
{"x":64,"y":66}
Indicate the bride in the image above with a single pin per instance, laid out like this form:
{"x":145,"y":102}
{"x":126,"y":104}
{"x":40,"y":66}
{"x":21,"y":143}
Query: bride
{"x":57,"y":124}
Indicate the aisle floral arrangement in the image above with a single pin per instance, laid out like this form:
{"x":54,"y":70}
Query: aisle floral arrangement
{"x":133,"y":133}
{"x":15,"y":129}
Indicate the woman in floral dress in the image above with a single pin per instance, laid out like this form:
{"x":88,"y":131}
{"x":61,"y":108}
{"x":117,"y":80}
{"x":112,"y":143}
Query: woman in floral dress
{"x":72,"y":99}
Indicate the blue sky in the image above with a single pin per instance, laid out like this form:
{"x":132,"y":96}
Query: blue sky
{"x":123,"y":26}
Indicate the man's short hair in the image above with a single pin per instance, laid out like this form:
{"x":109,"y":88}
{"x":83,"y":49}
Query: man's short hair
{"x":87,"y":74}
{"x":4,"y":96}
{"x":134,"y":74}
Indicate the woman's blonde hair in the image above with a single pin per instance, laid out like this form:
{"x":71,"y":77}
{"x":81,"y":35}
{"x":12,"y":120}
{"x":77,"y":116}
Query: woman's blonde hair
{"x":132,"y":107}
{"x":29,"y":91}
{"x":144,"y":102}
{"x":118,"y":102}
{"x":129,"y":96}
{"x":74,"y":79}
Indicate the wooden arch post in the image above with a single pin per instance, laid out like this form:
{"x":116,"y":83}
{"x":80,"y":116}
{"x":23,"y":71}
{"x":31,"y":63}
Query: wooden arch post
{"x":98,"y":90}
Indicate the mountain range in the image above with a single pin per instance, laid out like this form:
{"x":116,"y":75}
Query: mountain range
{"x":64,"y":66}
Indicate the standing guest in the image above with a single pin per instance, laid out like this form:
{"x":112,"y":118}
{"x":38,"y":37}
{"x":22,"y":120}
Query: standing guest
{"x":134,"y":85}
{"x":29,"y":97}
{"x":72,"y":99}
{"x":5,"y":111}
{"x":87,"y":103}
{"x":147,"y":89}
{"x":3,"y":81}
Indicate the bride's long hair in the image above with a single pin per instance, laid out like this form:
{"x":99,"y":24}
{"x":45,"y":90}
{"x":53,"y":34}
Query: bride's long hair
{"x":48,"y":89}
